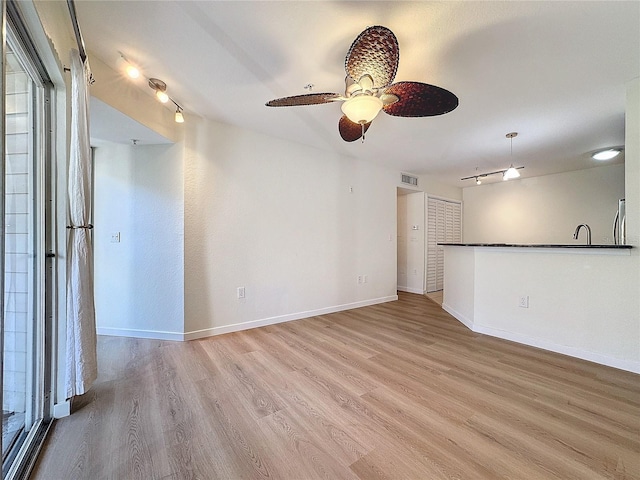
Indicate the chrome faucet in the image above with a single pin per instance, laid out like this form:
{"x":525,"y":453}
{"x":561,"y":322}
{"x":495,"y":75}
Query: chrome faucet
{"x":575,"y":234}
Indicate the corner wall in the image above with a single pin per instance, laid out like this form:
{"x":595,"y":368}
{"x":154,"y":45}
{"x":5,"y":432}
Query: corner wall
{"x":139,"y":278}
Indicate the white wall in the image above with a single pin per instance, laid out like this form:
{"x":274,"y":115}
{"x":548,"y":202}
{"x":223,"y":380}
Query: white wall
{"x":411,"y":243}
{"x":278,"y":218}
{"x":436,"y":189}
{"x":545,"y":209}
{"x":582,"y":303}
{"x":632,"y":161}
{"x":139,"y":281}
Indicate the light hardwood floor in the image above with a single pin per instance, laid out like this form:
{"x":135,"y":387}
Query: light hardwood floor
{"x":436,"y":296}
{"x":396,"y":391}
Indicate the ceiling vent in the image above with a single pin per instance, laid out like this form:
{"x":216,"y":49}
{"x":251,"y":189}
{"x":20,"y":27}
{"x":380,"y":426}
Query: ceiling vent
{"x":409,"y":180}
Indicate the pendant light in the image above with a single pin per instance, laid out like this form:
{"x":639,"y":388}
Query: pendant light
{"x":508,"y":174}
{"x":511,"y":172}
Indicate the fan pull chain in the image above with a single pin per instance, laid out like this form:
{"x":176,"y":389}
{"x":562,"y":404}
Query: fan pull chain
{"x":362,"y":125}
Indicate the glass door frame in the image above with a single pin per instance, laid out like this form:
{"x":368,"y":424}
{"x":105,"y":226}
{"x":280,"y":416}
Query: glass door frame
{"x":19,"y":462}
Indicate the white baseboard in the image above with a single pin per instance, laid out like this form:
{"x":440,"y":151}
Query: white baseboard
{"x":628,"y":365}
{"x":61,"y":410}
{"x":138,"y":333}
{"x":236,"y":327}
{"x":410,"y":290}
{"x":467,"y":322}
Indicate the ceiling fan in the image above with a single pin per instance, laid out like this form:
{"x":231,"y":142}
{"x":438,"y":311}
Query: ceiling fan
{"x":371,"y":64}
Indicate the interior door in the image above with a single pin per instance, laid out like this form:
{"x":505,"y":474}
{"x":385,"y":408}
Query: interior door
{"x":444,"y":225}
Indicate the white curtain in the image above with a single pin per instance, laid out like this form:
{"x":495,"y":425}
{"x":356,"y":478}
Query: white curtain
{"x":81,"y":362}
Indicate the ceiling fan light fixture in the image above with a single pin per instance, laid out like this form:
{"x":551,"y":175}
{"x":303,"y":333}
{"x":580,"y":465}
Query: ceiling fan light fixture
{"x":371,"y":65}
{"x":362,"y":108}
{"x":607,"y":154}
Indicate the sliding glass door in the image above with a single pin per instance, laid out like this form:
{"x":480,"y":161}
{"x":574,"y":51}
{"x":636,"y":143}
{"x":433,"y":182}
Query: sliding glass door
{"x":27,"y":266}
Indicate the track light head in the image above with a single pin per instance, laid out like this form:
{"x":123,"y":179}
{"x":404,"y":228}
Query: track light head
{"x":160,"y":87}
{"x":179,"y":118}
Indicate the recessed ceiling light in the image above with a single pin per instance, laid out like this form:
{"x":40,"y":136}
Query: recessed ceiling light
{"x":607,"y":154}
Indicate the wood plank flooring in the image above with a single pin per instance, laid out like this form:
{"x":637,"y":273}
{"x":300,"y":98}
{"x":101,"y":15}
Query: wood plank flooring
{"x":393,"y":391}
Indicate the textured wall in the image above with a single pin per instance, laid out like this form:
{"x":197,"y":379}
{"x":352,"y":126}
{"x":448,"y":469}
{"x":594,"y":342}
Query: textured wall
{"x":139,"y":287}
{"x":279,"y":219}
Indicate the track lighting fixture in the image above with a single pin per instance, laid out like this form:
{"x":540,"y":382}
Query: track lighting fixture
{"x":508,"y":174}
{"x":158,"y":86}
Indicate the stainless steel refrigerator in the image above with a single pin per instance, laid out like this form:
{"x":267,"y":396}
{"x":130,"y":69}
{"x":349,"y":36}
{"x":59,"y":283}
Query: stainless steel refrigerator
{"x":620,"y":224}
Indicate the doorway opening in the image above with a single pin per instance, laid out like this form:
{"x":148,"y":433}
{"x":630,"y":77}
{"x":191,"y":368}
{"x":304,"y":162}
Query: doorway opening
{"x":411,"y":231}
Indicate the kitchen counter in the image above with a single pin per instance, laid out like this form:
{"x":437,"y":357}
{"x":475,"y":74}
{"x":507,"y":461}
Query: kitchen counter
{"x":579,"y":300}
{"x":533,"y":245}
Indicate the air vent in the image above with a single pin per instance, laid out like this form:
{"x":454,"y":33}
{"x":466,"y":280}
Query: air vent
{"x":409,"y":180}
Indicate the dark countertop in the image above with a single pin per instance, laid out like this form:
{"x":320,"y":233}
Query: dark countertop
{"x":541,"y":245}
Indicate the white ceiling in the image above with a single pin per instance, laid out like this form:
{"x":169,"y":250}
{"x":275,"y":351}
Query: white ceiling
{"x":553,"y":71}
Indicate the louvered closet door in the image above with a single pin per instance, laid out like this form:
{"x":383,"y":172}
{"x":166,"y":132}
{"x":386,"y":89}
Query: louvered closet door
{"x":444,"y":224}
{"x":432,"y":246}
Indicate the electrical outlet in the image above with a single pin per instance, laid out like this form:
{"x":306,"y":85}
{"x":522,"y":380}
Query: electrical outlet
{"x":115,"y":237}
{"x":359,"y":279}
{"x":523,"y":302}
{"x":364,"y":279}
{"x":241,"y":292}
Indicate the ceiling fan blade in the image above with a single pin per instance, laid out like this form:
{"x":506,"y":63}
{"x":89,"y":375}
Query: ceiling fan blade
{"x":375,"y":52}
{"x":308,"y":99}
{"x":350,"y":131}
{"x":417,"y":99}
